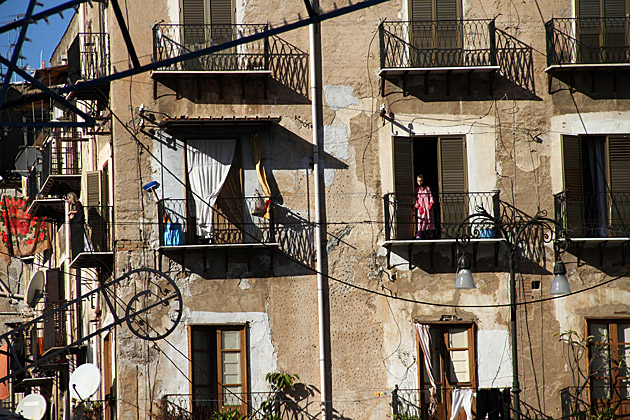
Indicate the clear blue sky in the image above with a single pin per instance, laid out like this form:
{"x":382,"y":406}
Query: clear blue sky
{"x":44,"y":37}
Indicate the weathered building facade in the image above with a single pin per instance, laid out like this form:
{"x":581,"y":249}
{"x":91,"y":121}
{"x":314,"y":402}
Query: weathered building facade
{"x":203,"y":170}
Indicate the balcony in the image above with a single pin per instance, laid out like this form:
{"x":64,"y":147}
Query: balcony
{"x":449,"y":210}
{"x":455,"y":46}
{"x":179,"y":406}
{"x":235,"y":223}
{"x":91,"y":238}
{"x":587,"y":45}
{"x":88,"y":59}
{"x":414,"y":404}
{"x":61,"y":168}
{"x":269,"y":56}
{"x":594,"y":216}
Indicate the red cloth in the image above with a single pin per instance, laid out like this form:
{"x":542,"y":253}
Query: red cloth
{"x":4,"y":371}
{"x":21,"y":234}
{"x":424,"y":205}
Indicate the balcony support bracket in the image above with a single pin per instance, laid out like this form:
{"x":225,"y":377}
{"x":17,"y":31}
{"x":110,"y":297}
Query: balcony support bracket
{"x":592,"y":73}
{"x":469,"y":82}
{"x":388,"y":247}
{"x":431,"y":252}
{"x":601,"y":247}
{"x":404,"y":79}
{"x":426,"y":82}
{"x":447,"y":83}
{"x":410,"y":254}
{"x":491,"y":82}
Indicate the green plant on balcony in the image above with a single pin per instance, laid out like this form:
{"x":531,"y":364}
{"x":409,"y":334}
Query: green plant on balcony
{"x":405,"y":416}
{"x":227,"y":413}
{"x":89,"y":410}
{"x":280,"y":382}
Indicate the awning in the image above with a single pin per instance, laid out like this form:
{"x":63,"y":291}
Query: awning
{"x":215,"y":127}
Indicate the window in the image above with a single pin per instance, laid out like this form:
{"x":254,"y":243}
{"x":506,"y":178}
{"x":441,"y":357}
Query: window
{"x":602,"y":30}
{"x":452,"y":348}
{"x":206,"y":23}
{"x":597,"y":184}
{"x":442,"y":161}
{"x":609,"y":357}
{"x":218,"y":369}
{"x":434,"y":32}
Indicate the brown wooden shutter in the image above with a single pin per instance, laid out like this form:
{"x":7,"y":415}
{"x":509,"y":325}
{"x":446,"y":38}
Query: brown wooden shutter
{"x":221,"y":12}
{"x":573,"y":187}
{"x":54,"y":322}
{"x":93,"y":181}
{"x":193,"y":12}
{"x":446,"y":9}
{"x":403,"y":188}
{"x":619,"y":169}
{"x":421,"y":10}
{"x":453,"y":189}
{"x":614,"y":8}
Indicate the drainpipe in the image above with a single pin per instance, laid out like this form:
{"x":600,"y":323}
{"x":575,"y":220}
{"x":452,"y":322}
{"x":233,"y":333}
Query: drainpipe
{"x":315,"y":58}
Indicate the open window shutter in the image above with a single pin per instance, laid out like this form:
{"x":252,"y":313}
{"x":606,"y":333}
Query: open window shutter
{"x":619,"y":167}
{"x":573,"y":187}
{"x":454,"y":197}
{"x":54,"y":323}
{"x":421,"y":30}
{"x":403,"y":188}
{"x":221,"y":19}
{"x":421,"y":10}
{"x":94,"y":209}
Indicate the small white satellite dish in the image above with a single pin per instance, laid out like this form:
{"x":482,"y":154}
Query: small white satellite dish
{"x":84,"y":381}
{"x":33,"y":407}
{"x":35,"y":289}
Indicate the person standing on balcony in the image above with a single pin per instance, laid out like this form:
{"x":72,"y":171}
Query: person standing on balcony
{"x":77,"y":219}
{"x":424,"y":210}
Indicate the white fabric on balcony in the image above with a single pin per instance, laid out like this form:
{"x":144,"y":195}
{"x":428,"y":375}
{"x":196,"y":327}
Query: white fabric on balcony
{"x":208,"y":166}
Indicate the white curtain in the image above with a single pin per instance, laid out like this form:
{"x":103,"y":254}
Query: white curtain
{"x":209,"y":162}
{"x":424,"y":338}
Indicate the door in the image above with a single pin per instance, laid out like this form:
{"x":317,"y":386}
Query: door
{"x":435,"y":33}
{"x":402,"y":209}
{"x":453,"y":188}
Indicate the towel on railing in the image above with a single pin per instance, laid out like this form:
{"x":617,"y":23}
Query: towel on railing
{"x":21,"y":234}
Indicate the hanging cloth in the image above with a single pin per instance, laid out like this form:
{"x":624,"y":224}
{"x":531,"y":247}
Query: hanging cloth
{"x":424,"y":338}
{"x":262,"y":176}
{"x":21,"y":234}
{"x":4,"y":371}
{"x":461,"y":398}
{"x":209,"y":162}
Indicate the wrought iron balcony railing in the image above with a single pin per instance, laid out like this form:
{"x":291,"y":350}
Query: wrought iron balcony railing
{"x":60,"y":158}
{"x":91,"y":231}
{"x":431,"y":44}
{"x":448,"y":212}
{"x":230,"y":221}
{"x":172,"y":40}
{"x":94,"y":55}
{"x":588,"y":41}
{"x":594,"y":215}
{"x":179,"y":406}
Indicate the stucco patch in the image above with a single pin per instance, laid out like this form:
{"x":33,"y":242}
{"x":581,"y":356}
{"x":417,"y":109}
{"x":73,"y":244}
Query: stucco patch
{"x":338,"y":97}
{"x":336,"y":141}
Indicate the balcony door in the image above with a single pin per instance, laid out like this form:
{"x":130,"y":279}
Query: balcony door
{"x":597,"y":185}
{"x":206,"y":23}
{"x":435,"y":33}
{"x":442,"y":162}
{"x":602,"y":31}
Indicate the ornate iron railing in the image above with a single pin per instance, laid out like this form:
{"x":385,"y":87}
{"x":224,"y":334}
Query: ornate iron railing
{"x":94,"y":52}
{"x":60,"y":158}
{"x":172,"y":40}
{"x":594,"y":215}
{"x":91,"y":231}
{"x":449,"y":210}
{"x":229,"y":221}
{"x":588,"y":40}
{"x":189,"y":406}
{"x":446,"y":43}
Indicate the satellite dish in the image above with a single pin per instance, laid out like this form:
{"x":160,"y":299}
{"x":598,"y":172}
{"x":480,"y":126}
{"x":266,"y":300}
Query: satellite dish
{"x":33,"y":407}
{"x":84,"y":381}
{"x":35,"y":289}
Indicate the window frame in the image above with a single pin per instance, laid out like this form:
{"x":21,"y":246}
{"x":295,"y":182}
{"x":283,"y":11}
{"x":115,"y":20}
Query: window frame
{"x":213,"y":333}
{"x":614,"y":376}
{"x":444,"y":384}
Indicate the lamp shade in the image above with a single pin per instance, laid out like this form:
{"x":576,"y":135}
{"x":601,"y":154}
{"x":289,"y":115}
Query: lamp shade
{"x":464,"y":278}
{"x":560,"y":284}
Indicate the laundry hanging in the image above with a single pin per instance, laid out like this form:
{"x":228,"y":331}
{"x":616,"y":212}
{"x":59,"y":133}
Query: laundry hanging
{"x":21,"y":234}
{"x":461,"y":398}
{"x":209,"y":163}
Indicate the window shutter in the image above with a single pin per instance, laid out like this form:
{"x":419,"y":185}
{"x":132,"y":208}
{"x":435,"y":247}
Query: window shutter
{"x":619,"y":167}
{"x":54,"y":294}
{"x":404,"y":188}
{"x":589,"y":9}
{"x":614,"y":8}
{"x":421,"y":10}
{"x":221,"y":12}
{"x":454,"y":194}
{"x":446,"y":9}
{"x":453,"y":164}
{"x":193,"y":12}
{"x":93,"y":180}
{"x":572,"y":170}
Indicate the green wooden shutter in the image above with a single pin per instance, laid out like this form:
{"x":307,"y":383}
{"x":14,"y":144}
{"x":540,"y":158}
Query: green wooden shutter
{"x":453,"y":189}
{"x":619,"y":169}
{"x":573,"y":187}
{"x":404,"y":188}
